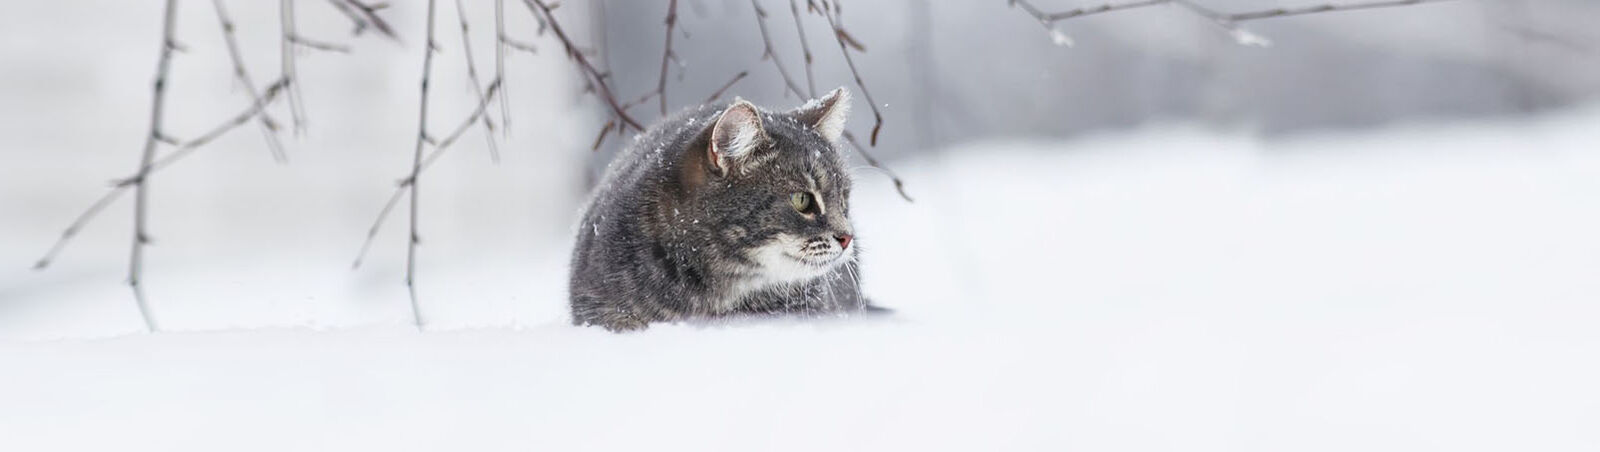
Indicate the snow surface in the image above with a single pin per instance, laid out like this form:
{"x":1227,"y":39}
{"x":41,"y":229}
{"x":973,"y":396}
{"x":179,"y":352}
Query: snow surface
{"x":1429,"y":287}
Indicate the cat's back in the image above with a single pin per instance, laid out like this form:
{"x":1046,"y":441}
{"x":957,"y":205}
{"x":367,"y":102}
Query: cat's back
{"x":632,"y":181}
{"x":652,"y":155}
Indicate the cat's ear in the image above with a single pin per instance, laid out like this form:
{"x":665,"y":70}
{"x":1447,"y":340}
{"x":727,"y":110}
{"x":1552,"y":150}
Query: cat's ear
{"x":736,"y":134}
{"x":827,"y":114}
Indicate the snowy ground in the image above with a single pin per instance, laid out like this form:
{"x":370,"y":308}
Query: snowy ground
{"x":1431,"y":287}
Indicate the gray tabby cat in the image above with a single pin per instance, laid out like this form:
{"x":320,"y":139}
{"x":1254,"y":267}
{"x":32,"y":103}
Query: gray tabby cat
{"x":720,"y":211}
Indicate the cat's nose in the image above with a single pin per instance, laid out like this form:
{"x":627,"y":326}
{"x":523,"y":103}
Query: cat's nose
{"x":844,"y":240}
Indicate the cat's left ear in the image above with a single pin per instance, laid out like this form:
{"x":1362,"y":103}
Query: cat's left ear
{"x":735,"y":136}
{"x":827,"y":114}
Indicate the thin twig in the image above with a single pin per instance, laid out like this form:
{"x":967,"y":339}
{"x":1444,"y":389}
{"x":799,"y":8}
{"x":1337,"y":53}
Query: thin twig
{"x":141,"y":209}
{"x":839,"y":34}
{"x":1049,"y":19}
{"x":1224,"y":20}
{"x":899,"y":185}
{"x":725,"y":86}
{"x":187,"y":147}
{"x":472,"y":76}
{"x":642,"y":99}
{"x":500,"y":43}
{"x":1281,"y":12}
{"x":595,"y":78}
{"x":667,"y":55}
{"x":767,"y":52}
{"x":495,"y":88}
{"x":318,"y":45}
{"x":77,"y":225}
{"x":365,"y":16}
{"x":416,"y":168}
{"x":122,"y":185}
{"x":1221,"y":21}
{"x":481,"y":111}
{"x":287,"y":49}
{"x":269,"y":127}
{"x":805,"y":49}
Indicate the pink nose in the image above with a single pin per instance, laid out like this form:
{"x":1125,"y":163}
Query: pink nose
{"x":844,"y":240}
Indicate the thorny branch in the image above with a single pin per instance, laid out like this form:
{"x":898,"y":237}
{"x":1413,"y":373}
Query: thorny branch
{"x":269,"y":127}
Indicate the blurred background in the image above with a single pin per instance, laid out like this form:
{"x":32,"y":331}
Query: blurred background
{"x":1377,"y":227}
{"x":947,"y":78}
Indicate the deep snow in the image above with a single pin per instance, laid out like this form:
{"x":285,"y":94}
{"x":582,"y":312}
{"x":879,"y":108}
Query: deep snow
{"x":1431,"y":287}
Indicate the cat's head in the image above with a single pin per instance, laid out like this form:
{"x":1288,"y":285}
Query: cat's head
{"x":778,"y":186}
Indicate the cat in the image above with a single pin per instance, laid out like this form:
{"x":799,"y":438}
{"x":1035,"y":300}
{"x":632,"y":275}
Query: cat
{"x":721,"y":211}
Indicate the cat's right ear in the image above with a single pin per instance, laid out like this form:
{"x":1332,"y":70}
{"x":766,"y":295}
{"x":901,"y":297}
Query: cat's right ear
{"x":736,"y":134}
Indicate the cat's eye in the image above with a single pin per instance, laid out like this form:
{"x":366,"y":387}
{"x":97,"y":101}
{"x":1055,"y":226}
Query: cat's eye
{"x":802,"y":202}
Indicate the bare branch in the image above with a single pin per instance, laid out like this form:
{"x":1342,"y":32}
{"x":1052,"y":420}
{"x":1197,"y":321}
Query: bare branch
{"x":767,"y":52}
{"x":77,"y":225}
{"x":832,"y":14}
{"x":287,"y":48}
{"x":500,"y":44}
{"x":805,"y":49}
{"x":141,"y":209}
{"x":187,"y":147}
{"x":377,"y":224}
{"x":601,"y":138}
{"x":478,"y":113}
{"x":269,"y":127}
{"x":595,"y":78}
{"x":1280,"y":12}
{"x":495,"y":88}
{"x":318,"y":45}
{"x":1227,"y":21}
{"x":519,"y":45}
{"x":666,"y":55}
{"x":416,"y":168}
{"x":899,"y":185}
{"x":642,"y":99}
{"x":725,"y":86}
{"x":122,"y":185}
{"x":364,"y":16}
{"x":1049,"y":19}
{"x":472,"y":76}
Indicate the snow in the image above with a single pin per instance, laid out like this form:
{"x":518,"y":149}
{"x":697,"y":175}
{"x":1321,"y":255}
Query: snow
{"x":1059,"y":38}
{"x":1425,"y":287}
{"x":1247,"y":38}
